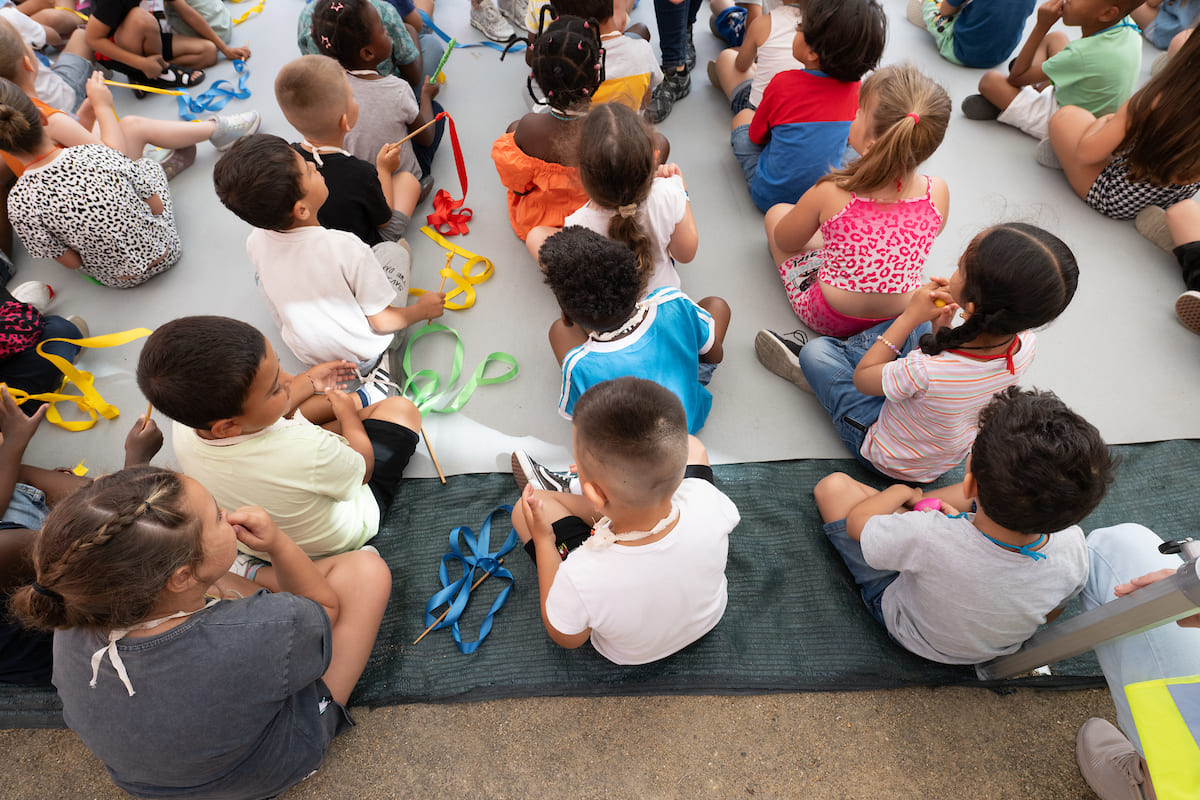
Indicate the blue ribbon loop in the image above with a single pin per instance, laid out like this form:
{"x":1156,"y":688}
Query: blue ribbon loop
{"x":217,"y":96}
{"x":445,"y":37}
{"x":458,"y":593}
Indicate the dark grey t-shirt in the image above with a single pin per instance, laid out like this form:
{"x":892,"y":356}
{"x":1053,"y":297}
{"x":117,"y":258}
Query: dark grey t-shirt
{"x":228,"y":704}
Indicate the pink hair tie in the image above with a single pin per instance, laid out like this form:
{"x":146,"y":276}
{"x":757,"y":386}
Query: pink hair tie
{"x":335,"y":6}
{"x":325,"y":39}
{"x":915,"y":117}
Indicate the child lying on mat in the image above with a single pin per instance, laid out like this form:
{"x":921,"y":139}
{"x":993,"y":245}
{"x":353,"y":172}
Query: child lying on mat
{"x":1037,"y":469}
{"x":650,"y":580}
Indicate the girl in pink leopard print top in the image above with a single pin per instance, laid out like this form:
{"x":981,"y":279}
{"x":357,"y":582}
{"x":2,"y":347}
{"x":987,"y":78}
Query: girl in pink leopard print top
{"x":852,"y":248}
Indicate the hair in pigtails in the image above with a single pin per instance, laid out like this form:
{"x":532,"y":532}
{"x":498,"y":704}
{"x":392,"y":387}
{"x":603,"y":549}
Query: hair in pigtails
{"x":567,"y":62}
{"x":1018,"y":277}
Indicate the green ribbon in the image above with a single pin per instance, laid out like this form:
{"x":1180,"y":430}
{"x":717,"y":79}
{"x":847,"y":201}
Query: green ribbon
{"x":424,"y":387}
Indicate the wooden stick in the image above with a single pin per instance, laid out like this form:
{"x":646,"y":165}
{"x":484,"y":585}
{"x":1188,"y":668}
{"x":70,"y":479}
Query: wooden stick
{"x":442,"y":285}
{"x":433,"y":455}
{"x":414,"y":133}
{"x":447,"y":611}
{"x":149,"y":408}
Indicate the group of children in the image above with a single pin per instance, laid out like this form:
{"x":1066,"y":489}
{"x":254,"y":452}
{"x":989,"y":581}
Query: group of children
{"x":286,"y":479}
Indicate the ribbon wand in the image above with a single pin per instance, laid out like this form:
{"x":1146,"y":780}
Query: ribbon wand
{"x":474,"y":586}
{"x":445,"y":57}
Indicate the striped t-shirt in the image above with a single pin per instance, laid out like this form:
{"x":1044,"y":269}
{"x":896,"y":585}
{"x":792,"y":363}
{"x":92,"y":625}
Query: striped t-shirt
{"x":929,"y":420}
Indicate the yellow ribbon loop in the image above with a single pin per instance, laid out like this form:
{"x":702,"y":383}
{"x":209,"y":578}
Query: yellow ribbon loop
{"x":90,"y":402}
{"x":465,"y":280}
{"x":255,"y":9}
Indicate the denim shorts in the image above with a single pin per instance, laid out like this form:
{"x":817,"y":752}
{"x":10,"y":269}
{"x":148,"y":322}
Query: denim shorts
{"x":739,"y":100}
{"x":871,"y":582}
{"x":745,"y":151}
{"x":27,"y":508}
{"x":75,"y":72}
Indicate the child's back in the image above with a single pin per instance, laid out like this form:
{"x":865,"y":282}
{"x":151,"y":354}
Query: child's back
{"x":1097,"y":72}
{"x":386,"y":109}
{"x":631,"y":72}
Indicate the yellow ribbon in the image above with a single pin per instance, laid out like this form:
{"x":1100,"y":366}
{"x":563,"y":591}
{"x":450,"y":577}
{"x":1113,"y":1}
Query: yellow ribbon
{"x":255,"y":9}
{"x":151,"y":89}
{"x":83,"y":17}
{"x":89,"y":401}
{"x":464,"y":281}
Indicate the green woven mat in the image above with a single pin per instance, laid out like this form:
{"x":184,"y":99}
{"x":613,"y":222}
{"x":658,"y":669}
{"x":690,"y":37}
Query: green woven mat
{"x":794,"y":620}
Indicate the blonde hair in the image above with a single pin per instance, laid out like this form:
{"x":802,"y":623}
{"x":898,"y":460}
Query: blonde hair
{"x":909,"y":115}
{"x":12,"y":50}
{"x":313,"y":94}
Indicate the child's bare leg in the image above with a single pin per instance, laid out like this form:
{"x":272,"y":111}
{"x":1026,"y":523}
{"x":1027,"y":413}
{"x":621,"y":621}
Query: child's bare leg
{"x":743,"y":117}
{"x":59,"y":20}
{"x":1183,"y":220}
{"x":362,"y":582}
{"x":770,"y":222}
{"x":995,"y":87}
{"x":406,"y":191}
{"x":565,"y":337}
{"x":536,"y":238}
{"x":193,"y":52}
{"x":31,"y":7}
{"x":139,"y":33}
{"x":1144,"y":14}
{"x":721,"y":314}
{"x":164,"y":133}
{"x":56,"y":485}
{"x":727,"y":72}
{"x":555,"y":506}
{"x":697,"y":453}
{"x":1178,"y":42}
{"x":398,"y":410}
{"x":837,"y":493}
{"x":1067,"y":128}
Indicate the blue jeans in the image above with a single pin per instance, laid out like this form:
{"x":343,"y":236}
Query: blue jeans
{"x":1118,"y":555}
{"x":871,"y":582}
{"x":829,"y":363}
{"x":674,"y":19}
{"x":26,"y":508}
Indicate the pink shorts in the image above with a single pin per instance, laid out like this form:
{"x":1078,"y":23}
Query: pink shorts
{"x":799,"y":275}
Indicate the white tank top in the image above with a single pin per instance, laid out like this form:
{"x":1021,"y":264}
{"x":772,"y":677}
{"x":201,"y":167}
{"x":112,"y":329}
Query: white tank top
{"x":775,"y":55}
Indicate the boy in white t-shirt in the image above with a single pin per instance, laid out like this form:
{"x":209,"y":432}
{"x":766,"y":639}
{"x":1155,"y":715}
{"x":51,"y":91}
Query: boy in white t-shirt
{"x":965,"y":588}
{"x":649,"y":578}
{"x":328,"y":290}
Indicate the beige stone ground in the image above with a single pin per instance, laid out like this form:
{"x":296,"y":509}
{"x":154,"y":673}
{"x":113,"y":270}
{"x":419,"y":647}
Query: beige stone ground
{"x":908,"y":743}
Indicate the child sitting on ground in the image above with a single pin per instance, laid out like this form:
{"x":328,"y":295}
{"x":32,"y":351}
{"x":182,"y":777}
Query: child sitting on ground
{"x":1163,"y":20}
{"x":352,"y":32}
{"x":1096,"y":72}
{"x":62,"y":84}
{"x":236,"y":430}
{"x":327,"y":289}
{"x":606,"y":332}
{"x":853,"y":247}
{"x":89,"y":207}
{"x":631,"y":198}
{"x":1177,"y":230}
{"x":631,"y":72}
{"x":535,"y":157}
{"x":371,"y":202}
{"x":405,"y":59}
{"x":766,"y":50}
{"x":962,"y":588}
{"x":649,"y":578}
{"x":798,"y":133}
{"x":972,"y":34}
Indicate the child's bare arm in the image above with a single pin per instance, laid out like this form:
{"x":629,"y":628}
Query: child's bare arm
{"x":428,"y":92}
{"x":18,"y":430}
{"x":200,"y":25}
{"x":387,"y":162}
{"x":346,"y":413}
{"x":947,"y":10}
{"x":868,"y":375}
{"x":755,"y":36}
{"x":430,"y":305}
{"x":889,"y":501}
{"x":106,"y":119}
{"x":1102,"y":137}
{"x":548,"y":561}
{"x":97,"y":34}
{"x":70,"y":259}
{"x":798,"y":226}
{"x":1024,"y":72}
{"x":294,"y":570}
{"x":685,"y":238}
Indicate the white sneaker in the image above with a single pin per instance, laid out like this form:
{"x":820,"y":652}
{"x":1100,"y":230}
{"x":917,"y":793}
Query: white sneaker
{"x":34,"y":293}
{"x":514,"y":11}
{"x":486,"y":19}
{"x":231,"y":127}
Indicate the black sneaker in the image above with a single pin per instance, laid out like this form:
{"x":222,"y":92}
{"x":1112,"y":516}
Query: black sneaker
{"x":977,"y":106}
{"x":525,"y":470}
{"x":689,"y":51}
{"x":780,"y":352}
{"x":675,"y":86}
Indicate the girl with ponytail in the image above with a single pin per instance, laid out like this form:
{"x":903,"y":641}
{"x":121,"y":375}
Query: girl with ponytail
{"x":852,"y":248}
{"x":911,"y":413}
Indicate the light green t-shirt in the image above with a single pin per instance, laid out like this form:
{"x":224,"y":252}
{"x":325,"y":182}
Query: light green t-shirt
{"x":1097,"y":72}
{"x":214,"y":13}
{"x":309,"y":480}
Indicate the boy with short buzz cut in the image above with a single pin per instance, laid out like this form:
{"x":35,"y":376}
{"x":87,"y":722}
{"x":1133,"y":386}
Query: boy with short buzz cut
{"x":800,"y":129}
{"x":237,"y":432}
{"x":606,"y":332}
{"x":1096,"y":72}
{"x":962,"y":588}
{"x":369,"y":201}
{"x":331,"y":294}
{"x":636,"y":563}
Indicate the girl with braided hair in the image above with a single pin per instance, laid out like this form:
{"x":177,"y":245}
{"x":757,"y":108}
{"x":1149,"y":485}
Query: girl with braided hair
{"x":631,"y":197}
{"x":912,"y":414}
{"x":536,"y":156}
{"x":179,"y":689}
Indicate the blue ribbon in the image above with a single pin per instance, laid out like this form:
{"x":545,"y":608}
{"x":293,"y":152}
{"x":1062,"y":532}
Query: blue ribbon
{"x":457,"y":593}
{"x":445,"y":37}
{"x":217,"y":96}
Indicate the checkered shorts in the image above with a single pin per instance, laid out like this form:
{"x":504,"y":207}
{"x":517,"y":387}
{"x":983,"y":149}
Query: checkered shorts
{"x":1113,"y":195}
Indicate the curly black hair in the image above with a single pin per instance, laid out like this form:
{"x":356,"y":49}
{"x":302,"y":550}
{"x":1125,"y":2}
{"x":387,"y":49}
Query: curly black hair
{"x":595,"y":279}
{"x":847,"y":35}
{"x":567,"y":62}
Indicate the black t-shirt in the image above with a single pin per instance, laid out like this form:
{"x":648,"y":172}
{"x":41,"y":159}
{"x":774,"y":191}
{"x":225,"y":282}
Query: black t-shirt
{"x":356,"y":203}
{"x":112,"y":12}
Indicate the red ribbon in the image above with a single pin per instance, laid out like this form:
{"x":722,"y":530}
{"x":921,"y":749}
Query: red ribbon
{"x":446,"y":218}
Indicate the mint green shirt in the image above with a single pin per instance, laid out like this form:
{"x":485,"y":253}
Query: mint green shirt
{"x":1097,"y":72}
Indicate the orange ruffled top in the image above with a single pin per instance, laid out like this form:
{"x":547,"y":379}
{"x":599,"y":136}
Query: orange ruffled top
{"x":539,"y":192}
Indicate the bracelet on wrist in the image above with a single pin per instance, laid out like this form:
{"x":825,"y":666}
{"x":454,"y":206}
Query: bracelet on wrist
{"x":889,"y":345}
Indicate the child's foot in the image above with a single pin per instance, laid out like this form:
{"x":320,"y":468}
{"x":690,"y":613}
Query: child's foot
{"x":172,"y":162}
{"x":1108,"y":761}
{"x":81,"y":324}
{"x":977,"y":106}
{"x":1160,"y":61}
{"x":1187,"y":308}
{"x":1046,"y":156}
{"x":916,"y":13}
{"x":729,"y":25}
{"x":377,"y":385}
{"x":486,"y":19}
{"x":780,"y":354}
{"x":1151,"y":222}
{"x":514,"y":12}
{"x":34,"y":293}
{"x":713,"y":77}
{"x":231,"y":127}
{"x":675,"y":86}
{"x":525,"y":471}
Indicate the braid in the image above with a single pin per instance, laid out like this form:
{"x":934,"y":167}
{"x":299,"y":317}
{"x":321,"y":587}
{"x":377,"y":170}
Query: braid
{"x":567,"y":62}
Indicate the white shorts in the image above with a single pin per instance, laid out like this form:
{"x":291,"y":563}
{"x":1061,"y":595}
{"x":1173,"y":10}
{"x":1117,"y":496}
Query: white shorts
{"x":1030,"y":111}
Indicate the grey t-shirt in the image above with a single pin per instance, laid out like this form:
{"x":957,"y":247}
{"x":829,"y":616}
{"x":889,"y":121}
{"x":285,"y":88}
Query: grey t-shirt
{"x":227,"y":704}
{"x":960,"y":599}
{"x":386,"y":107}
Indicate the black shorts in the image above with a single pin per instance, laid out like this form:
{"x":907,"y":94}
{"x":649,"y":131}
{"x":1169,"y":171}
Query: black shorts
{"x":1188,"y":255}
{"x":393,"y":446}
